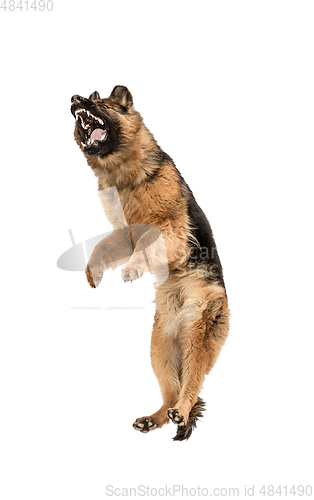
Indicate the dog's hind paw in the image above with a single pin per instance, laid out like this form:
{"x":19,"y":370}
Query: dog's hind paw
{"x":145,"y":424}
{"x":176,"y":417}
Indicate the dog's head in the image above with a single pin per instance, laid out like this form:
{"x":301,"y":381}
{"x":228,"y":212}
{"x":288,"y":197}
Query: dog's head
{"x":105,"y":126}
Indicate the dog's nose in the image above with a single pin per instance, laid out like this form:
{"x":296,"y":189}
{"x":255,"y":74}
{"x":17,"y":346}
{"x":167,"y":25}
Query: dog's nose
{"x":75,"y":99}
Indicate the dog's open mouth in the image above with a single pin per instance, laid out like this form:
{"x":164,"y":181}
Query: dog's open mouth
{"x":93,"y":128}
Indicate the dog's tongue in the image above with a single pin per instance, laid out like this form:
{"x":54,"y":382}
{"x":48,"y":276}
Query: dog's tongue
{"x":97,"y":134}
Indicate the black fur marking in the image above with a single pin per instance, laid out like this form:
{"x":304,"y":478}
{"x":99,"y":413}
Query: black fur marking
{"x":121,"y":109}
{"x":207,"y":253}
{"x":153,"y":176}
{"x":184,"y":431}
{"x":111,"y":145}
{"x":158,"y":157}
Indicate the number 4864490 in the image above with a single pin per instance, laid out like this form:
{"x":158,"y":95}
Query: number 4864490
{"x":40,"y":5}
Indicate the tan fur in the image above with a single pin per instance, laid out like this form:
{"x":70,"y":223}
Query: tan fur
{"x":188,"y":308}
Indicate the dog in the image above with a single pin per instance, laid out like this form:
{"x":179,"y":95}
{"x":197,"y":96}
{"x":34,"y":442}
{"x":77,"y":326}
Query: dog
{"x":151,"y":208}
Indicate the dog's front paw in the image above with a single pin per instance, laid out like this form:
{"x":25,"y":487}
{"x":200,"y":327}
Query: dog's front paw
{"x":134,"y":269}
{"x":94,"y":276}
{"x":131,"y":273}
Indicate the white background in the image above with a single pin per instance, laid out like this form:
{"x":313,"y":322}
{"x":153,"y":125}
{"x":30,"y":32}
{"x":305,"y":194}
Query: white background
{"x":227,"y":89}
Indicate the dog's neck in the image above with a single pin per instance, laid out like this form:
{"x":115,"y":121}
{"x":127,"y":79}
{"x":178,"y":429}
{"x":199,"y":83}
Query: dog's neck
{"x":127,"y":170}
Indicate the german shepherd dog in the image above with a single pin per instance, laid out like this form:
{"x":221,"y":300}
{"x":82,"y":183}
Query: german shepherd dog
{"x":192,"y":316}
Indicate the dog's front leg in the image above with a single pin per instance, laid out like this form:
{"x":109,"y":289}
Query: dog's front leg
{"x":147,"y":242}
{"x":111,"y":252}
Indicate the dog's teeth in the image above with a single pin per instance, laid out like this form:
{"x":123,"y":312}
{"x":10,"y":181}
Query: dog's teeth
{"x":84,"y":145}
{"x":82,"y":121}
{"x":103,"y":137}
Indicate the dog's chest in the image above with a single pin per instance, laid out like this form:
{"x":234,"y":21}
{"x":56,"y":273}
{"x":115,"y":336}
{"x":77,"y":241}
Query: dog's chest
{"x":120,"y":208}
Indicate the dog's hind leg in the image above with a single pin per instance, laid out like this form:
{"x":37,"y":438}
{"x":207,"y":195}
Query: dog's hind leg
{"x":166,"y":365}
{"x":206,"y":324}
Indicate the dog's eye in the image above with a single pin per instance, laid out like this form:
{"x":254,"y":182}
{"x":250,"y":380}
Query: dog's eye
{"x":104,"y":106}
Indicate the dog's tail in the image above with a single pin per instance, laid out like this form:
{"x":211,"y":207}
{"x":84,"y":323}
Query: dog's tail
{"x":185,"y":431}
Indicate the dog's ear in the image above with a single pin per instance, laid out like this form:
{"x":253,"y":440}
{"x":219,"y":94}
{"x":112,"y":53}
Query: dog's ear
{"x":95,"y":95}
{"x":122,"y":95}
